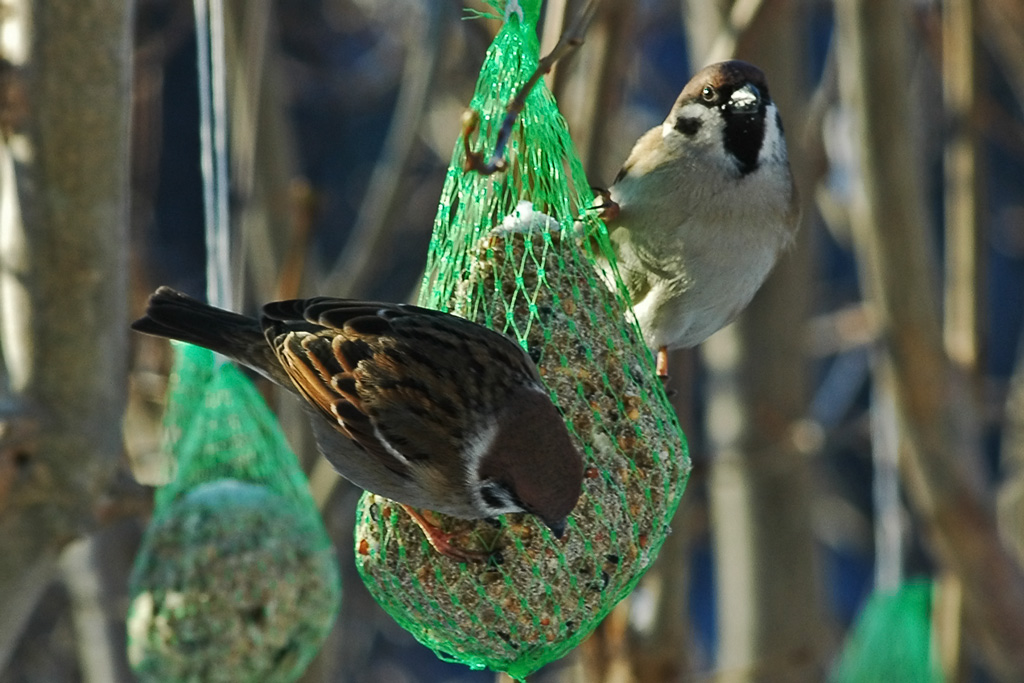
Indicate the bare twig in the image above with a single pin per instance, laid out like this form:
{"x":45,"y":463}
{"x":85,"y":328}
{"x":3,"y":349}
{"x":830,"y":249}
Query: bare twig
{"x":888,"y":510}
{"x":589,"y":87}
{"x":557,"y":15}
{"x":964,"y":190}
{"x":742,"y":15}
{"x":263,"y":149}
{"x":841,"y":330}
{"x":570,"y":40}
{"x":373,"y":234}
{"x":305,"y":206}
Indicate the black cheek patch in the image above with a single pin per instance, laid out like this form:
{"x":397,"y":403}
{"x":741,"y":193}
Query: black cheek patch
{"x":744,"y":134}
{"x":492,"y":501}
{"x":489,"y":493}
{"x":687,"y":126}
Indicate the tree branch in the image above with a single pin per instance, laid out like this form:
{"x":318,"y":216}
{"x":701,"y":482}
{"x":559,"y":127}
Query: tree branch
{"x":899,"y":269}
{"x":63,"y":285}
{"x":373,"y":234}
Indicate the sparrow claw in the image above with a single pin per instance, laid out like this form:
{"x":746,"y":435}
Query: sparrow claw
{"x":607,"y":209}
{"x":441,"y":541}
{"x":661,"y":364}
{"x":475,"y":160}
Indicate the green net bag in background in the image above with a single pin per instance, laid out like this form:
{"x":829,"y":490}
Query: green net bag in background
{"x":236,"y":579}
{"x":892,"y":639}
{"x":508,"y":252}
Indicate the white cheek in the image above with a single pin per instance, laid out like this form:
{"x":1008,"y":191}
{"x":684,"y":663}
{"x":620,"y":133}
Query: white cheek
{"x":773,"y":149}
{"x":687,"y":111}
{"x":476,"y":447}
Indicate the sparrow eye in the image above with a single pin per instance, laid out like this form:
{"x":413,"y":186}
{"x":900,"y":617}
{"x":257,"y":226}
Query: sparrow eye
{"x":708,"y":94}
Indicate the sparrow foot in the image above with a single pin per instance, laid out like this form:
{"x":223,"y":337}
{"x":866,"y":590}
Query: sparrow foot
{"x":661,"y":364}
{"x":476,"y":161}
{"x":442,"y":541}
{"x":607,"y":209}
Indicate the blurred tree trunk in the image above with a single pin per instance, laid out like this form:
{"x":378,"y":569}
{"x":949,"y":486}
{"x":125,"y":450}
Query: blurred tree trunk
{"x":375,"y":231}
{"x":770,"y":622}
{"x":263,"y":152}
{"x":63,"y":289}
{"x":936,"y":409}
{"x":965,"y":282}
{"x":95,"y":572}
{"x":703,"y":20}
{"x":1002,"y":29}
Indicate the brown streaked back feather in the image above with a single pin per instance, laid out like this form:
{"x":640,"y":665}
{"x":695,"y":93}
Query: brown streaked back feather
{"x":395,"y":377}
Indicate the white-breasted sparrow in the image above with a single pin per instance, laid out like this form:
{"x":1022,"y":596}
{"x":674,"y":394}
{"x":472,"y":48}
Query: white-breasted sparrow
{"x":703,"y":207}
{"x":422,"y":407}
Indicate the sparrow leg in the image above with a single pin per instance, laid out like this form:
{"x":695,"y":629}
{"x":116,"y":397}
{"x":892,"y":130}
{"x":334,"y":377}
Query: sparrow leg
{"x":661,"y":363}
{"x":475,"y":161}
{"x":607,"y":208}
{"x":441,"y":541}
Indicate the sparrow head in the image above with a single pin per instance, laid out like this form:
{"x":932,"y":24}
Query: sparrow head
{"x":727,"y":110}
{"x":527,"y":462}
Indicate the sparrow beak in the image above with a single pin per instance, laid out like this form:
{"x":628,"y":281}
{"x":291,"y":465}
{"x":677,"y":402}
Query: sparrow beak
{"x":557,"y":527}
{"x":746,"y":100}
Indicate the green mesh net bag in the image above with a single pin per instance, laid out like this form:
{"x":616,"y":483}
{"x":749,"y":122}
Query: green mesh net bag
{"x":892,"y":640}
{"x":508,"y":252}
{"x":236,"y":579}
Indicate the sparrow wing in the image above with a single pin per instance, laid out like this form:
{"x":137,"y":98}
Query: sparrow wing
{"x":439,"y":342}
{"x":319,"y":361}
{"x":407,"y":384}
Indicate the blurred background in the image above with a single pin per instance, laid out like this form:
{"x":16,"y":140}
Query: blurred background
{"x":859,"y":430}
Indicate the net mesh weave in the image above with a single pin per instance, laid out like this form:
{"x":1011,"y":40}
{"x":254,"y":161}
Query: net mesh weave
{"x":534,"y":271}
{"x":236,"y":579}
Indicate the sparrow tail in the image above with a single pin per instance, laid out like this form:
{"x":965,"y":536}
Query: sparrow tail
{"x":178,"y":316}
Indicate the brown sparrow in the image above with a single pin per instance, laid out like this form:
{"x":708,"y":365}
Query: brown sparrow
{"x":425,"y":408}
{"x":702,"y":208}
